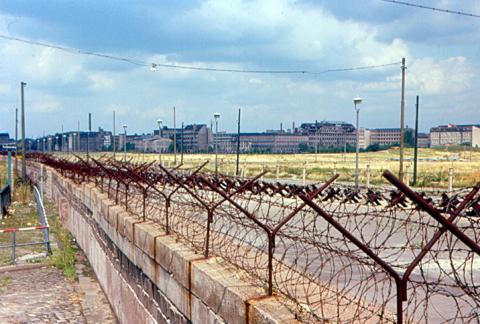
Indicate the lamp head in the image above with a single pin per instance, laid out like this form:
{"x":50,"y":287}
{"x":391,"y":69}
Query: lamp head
{"x":160,"y":122}
{"x":125,"y":127}
{"x":357,"y":100}
{"x":216,"y":115}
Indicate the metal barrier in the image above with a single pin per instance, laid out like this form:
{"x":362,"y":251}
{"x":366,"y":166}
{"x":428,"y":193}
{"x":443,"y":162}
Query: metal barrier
{"x":44,"y":227}
{"x":336,"y":254}
{"x":5,"y":200}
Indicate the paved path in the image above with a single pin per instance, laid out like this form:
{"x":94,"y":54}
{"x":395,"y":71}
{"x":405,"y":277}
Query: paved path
{"x":44,"y":295}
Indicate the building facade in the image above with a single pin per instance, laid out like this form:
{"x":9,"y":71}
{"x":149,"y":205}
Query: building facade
{"x":451,"y":134}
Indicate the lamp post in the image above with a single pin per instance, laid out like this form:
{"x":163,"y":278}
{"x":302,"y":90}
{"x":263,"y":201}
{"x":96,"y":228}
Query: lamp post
{"x":217,"y":117}
{"x":160,"y":123}
{"x":64,"y":141}
{"x":125,"y":143}
{"x":357,"y":101}
{"x":74,"y":141}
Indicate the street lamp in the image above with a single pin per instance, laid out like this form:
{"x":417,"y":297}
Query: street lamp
{"x":217,"y":117}
{"x":160,"y":123}
{"x":74,"y":140}
{"x":357,"y":101}
{"x":64,"y":142}
{"x":125,"y":143}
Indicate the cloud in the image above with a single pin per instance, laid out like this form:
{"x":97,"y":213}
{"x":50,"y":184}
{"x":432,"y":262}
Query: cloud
{"x":45,"y":104}
{"x":101,"y":82}
{"x":241,"y":35}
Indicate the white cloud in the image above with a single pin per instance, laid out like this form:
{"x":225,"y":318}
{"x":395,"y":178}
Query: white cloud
{"x":101,"y":82}
{"x":45,"y":104}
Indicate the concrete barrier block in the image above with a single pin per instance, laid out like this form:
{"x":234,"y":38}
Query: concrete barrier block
{"x":145,"y":234}
{"x":269,"y":311}
{"x":175,"y":292}
{"x":144,"y":262}
{"x":112,"y":215}
{"x":129,"y":227}
{"x":175,"y":257}
{"x":222,"y":290}
{"x":121,"y":222}
{"x":202,"y":314}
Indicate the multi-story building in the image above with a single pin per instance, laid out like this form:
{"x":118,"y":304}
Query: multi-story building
{"x":151,"y":143}
{"x":4,"y":138}
{"x":332,"y":134}
{"x":423,"y":140}
{"x":384,"y":136}
{"x":195,"y":138}
{"x":455,"y":135}
{"x":277,"y":142}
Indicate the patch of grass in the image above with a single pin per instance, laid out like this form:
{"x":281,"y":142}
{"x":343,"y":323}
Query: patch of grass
{"x":63,"y":257}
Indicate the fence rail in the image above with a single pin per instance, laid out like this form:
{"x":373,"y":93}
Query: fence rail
{"x":44,"y":228}
{"x":336,"y":254}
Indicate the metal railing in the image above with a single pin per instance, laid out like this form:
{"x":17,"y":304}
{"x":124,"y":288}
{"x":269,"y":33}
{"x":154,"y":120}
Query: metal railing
{"x":336,"y":254}
{"x":44,"y":228}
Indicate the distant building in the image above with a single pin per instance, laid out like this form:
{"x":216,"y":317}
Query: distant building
{"x":332,"y":134}
{"x":384,"y":136}
{"x":150,"y":144}
{"x":276,"y":142}
{"x":6,"y":141}
{"x":455,"y":135}
{"x":94,"y":141}
{"x":423,"y":140}
{"x":195,"y":138}
{"x":4,"y":138}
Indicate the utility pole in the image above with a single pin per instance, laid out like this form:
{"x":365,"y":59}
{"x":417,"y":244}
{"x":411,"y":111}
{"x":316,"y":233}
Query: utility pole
{"x":356,"y":102}
{"x":402,"y":119}
{"x":16,"y":142}
{"x":415,"y":152}
{"x":181,"y":146}
{"x":24,"y":162}
{"x":88,"y":134}
{"x":237,"y":163}
{"x":215,"y":142}
{"x":113,"y":136}
{"x":79,"y":148}
{"x":174,"y":138}
{"x":62,"y":141}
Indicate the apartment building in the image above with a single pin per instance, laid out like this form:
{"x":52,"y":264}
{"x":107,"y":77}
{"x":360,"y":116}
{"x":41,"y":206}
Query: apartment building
{"x":333,"y":134}
{"x":451,"y":134}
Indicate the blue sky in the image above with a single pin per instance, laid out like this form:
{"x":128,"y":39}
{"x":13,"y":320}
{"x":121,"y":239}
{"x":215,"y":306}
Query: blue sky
{"x":442,"y":52}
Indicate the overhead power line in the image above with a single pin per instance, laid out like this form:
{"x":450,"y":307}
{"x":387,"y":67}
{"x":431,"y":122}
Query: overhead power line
{"x":433,"y":8}
{"x":191,"y":67}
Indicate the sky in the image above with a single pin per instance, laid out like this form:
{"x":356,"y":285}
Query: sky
{"x":442,"y":53}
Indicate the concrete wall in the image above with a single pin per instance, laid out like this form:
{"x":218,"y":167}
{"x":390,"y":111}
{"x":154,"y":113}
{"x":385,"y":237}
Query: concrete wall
{"x":151,"y":277}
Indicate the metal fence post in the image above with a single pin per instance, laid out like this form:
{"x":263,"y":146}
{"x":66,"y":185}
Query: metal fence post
{"x":450,"y":179}
{"x":407,"y":175}
{"x":9,"y":169}
{"x":367,"y":175}
{"x":41,"y":182}
{"x":278,"y":171}
{"x":14,"y":243}
{"x":304,"y":173}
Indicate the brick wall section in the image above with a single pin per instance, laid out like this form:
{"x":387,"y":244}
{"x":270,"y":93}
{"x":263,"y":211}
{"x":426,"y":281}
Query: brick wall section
{"x":148,"y":276}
